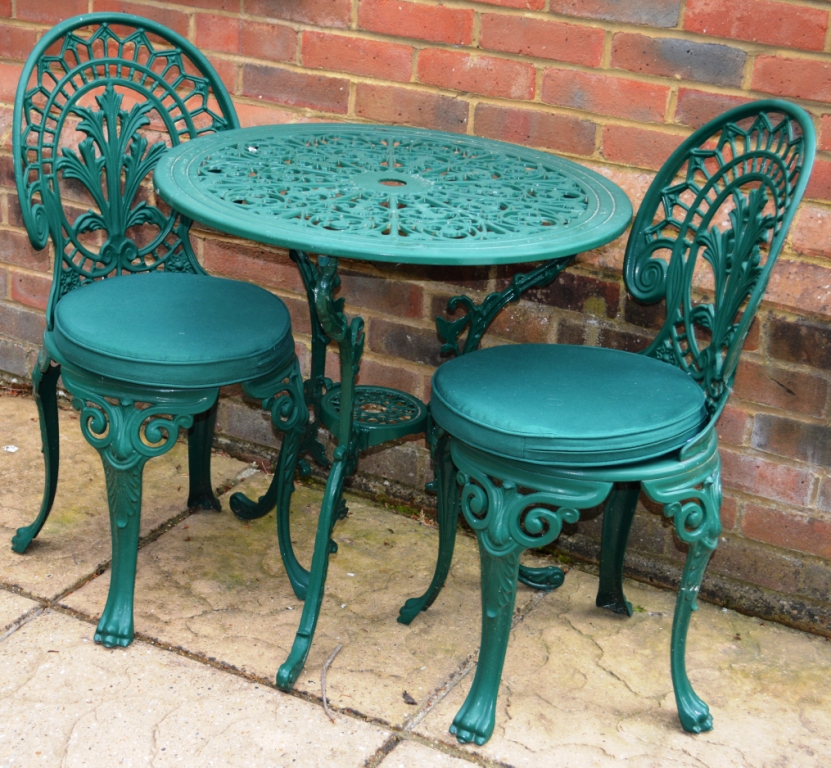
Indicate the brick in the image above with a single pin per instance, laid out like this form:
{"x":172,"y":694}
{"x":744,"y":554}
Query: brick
{"x":16,"y":42}
{"x":732,"y":425}
{"x":652,"y":13}
{"x":393,"y":297}
{"x":527,"y":5}
{"x":769,"y":479}
{"x":561,"y":133}
{"x":675,"y":57}
{"x":522,"y":324}
{"x":580,"y":293}
{"x":5,"y":8}
{"x":4,"y":284}
{"x":819,"y":185}
{"x":759,"y":21}
{"x":794,"y":77}
{"x":435,"y":23}
{"x":372,"y":58}
{"x":694,"y":108}
{"x":571,"y":332}
{"x":297,"y":89}
{"x":800,"y":341}
{"x":212,"y":5}
{"x":323,"y":13}
{"x":787,"y":529}
{"x":50,"y":12}
{"x":9,"y":76}
{"x":17,"y":359}
{"x":22,"y":324}
{"x":824,"y":139}
{"x":15,"y":248}
{"x":6,"y":119}
{"x":757,"y":564}
{"x":176,"y":20}
{"x":384,"y":374}
{"x":262,"y":114}
{"x":257,"y":265}
{"x":645,"y":315}
{"x":809,"y":232}
{"x":217,"y":33}
{"x":31,"y":290}
{"x":542,"y":39}
{"x":419,"y":345}
{"x":487,"y":75}
{"x":824,"y":501}
{"x":792,"y":439}
{"x":410,"y":107}
{"x":638,"y":146}
{"x":618,"y":338}
{"x":605,"y":95}
{"x":800,"y":286}
{"x":779,"y":388}
{"x":262,"y":40}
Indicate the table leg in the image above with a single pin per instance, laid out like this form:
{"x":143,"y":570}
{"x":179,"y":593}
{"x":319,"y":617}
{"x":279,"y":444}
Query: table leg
{"x":321,"y":282}
{"x":476,"y":320}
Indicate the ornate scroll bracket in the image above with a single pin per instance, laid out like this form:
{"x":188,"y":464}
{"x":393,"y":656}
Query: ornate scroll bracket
{"x":128,"y":425}
{"x":478,"y":317}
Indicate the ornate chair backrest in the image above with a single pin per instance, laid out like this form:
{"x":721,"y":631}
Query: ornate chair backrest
{"x":712,"y":225}
{"x":99,"y":100}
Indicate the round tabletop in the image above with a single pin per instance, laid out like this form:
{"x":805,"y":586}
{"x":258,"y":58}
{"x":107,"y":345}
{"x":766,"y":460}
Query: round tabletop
{"x":385,"y":193}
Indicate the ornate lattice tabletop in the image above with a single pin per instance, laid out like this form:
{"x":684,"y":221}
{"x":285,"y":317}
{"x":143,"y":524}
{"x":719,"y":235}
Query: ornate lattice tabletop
{"x":392,"y":194}
{"x":381,"y":193}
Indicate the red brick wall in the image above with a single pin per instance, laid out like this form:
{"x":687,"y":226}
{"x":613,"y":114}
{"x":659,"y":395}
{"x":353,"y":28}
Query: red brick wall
{"x":615,"y":85}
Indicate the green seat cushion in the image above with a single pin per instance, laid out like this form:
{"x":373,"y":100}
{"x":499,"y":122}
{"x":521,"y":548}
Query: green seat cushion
{"x":170,"y":329}
{"x":567,"y":405}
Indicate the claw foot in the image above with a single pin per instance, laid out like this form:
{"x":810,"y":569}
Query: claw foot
{"x":110,"y":635}
{"x":474,"y":722}
{"x":695,"y":716}
{"x":21,"y":540}
{"x":410,"y":609}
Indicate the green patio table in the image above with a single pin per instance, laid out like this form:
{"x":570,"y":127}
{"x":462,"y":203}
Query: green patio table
{"x":384,"y":194}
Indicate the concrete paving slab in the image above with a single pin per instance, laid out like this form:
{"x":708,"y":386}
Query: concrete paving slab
{"x":408,"y":754}
{"x":583,"y":687}
{"x":68,"y":702}
{"x":76,"y":538}
{"x":14,"y":608}
{"x":216,"y":586}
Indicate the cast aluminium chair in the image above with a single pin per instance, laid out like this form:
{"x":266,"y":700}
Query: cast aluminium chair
{"x":539,"y":432}
{"x":144,"y":352}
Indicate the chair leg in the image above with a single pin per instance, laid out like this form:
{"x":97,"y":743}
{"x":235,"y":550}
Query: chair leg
{"x":290,"y":415}
{"x":45,"y":377}
{"x":124,"y":495}
{"x":330,"y":509}
{"x":448,"y":498}
{"x":200,"y":437}
{"x":476,"y":719}
{"x":695,"y":509}
{"x":617,"y":520}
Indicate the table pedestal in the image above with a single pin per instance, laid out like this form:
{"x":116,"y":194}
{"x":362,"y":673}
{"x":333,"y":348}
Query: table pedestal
{"x":377,"y":415}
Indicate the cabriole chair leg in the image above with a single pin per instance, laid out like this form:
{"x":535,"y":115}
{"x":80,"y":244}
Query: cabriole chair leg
{"x":448,"y":518}
{"x":200,"y":438}
{"x":617,"y":521}
{"x":45,"y":378}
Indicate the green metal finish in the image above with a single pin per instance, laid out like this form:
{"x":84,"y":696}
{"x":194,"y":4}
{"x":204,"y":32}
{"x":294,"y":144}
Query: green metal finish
{"x":719,"y":209}
{"x":44,"y":381}
{"x":385,"y":193}
{"x":617,"y":520}
{"x":200,"y":437}
{"x":110,"y":81}
{"x":127,"y":425}
{"x":100,"y":99}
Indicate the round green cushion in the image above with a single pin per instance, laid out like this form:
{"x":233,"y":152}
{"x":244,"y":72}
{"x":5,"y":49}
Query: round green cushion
{"x":170,"y":329}
{"x":567,"y":405}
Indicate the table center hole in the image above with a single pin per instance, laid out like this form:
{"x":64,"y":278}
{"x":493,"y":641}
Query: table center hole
{"x":372,"y":408}
{"x":393,"y":182}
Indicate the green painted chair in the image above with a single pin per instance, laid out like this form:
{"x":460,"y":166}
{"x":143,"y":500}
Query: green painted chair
{"x":100,"y":99}
{"x":536,"y":433}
